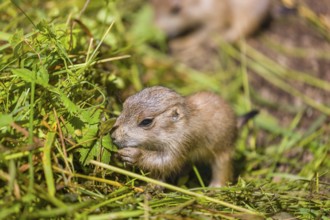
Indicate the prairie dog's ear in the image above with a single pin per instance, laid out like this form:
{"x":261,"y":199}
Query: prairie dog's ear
{"x":176,"y":113}
{"x":175,"y":2}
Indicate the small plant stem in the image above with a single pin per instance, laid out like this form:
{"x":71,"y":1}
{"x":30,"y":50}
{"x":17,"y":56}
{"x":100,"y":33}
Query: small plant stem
{"x":64,"y":151}
{"x":98,"y":46}
{"x":245,"y":76}
{"x":200,"y":180}
{"x":110,"y":182}
{"x":30,"y":140}
{"x":46,"y":161}
{"x":317,"y":184}
{"x":20,"y":154}
{"x":117,"y":215}
{"x":19,"y":8}
{"x":55,"y":212}
{"x":97,"y":62}
{"x":106,"y":202}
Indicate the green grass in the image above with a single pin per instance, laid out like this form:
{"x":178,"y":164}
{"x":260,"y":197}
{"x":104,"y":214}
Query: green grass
{"x":64,"y":72}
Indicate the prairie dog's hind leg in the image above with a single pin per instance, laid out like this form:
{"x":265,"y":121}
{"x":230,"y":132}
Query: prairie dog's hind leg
{"x":222,"y":171}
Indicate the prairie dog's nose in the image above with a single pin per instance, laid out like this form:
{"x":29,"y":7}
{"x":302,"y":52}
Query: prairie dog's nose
{"x":113,"y":133}
{"x":116,"y":137}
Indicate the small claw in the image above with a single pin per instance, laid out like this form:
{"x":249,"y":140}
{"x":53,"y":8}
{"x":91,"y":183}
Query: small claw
{"x":129,"y":160}
{"x":130,"y":155}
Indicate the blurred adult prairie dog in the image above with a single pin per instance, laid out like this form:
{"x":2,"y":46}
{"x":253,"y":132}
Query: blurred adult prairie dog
{"x":231,"y":19}
{"x":160,"y":131}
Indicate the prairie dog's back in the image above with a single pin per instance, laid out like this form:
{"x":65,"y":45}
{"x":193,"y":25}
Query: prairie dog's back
{"x":214,"y":118}
{"x":177,"y":16}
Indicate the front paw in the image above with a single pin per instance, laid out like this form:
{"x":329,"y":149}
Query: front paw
{"x":130,"y":155}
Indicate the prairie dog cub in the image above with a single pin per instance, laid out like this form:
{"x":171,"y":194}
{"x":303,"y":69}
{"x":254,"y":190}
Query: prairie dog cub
{"x":160,"y":131}
{"x":231,"y":19}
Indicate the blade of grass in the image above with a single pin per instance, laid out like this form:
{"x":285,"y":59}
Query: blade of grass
{"x":146,"y":208}
{"x":292,"y":51}
{"x":46,"y":161}
{"x":20,"y":154}
{"x":30,"y":140}
{"x":305,"y":12}
{"x":55,"y":212}
{"x":19,"y":8}
{"x":93,"y":55}
{"x":64,"y":151}
{"x":16,"y":188}
{"x":245,"y":76}
{"x":96,"y":62}
{"x":101,"y":41}
{"x":110,"y":182}
{"x":309,"y":138}
{"x":39,"y":191}
{"x":7,"y":212}
{"x":287,"y":141}
{"x":106,"y":202}
{"x":117,"y":215}
{"x":200,"y":180}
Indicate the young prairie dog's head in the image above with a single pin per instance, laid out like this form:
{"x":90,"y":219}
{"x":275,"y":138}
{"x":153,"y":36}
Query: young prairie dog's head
{"x":149,"y":119}
{"x":175,"y":17}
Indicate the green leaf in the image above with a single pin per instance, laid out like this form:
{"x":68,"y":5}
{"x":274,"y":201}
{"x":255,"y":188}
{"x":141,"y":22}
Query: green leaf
{"x":16,"y":42}
{"x":42,"y":76}
{"x":42,"y":79}
{"x":143,"y":29}
{"x":29,"y":76}
{"x":91,"y":149}
{"x":88,"y":141}
{"x":25,"y":74}
{"x":5,"y":36}
{"x":90,"y":116}
{"x":92,"y":145}
{"x":5,"y":120}
{"x":42,"y":26}
{"x":10,"y":211}
{"x":106,"y":126}
{"x":106,"y":145}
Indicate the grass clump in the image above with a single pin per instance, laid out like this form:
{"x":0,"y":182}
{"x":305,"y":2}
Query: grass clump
{"x":64,"y":70}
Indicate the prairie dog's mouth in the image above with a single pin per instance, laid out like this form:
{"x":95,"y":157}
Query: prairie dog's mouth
{"x":186,"y":32}
{"x":127,"y":146}
{"x":123,"y":144}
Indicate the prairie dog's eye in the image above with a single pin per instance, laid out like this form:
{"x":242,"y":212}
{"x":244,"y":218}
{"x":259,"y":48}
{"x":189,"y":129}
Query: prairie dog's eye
{"x":175,"y":10}
{"x":146,"y":122}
